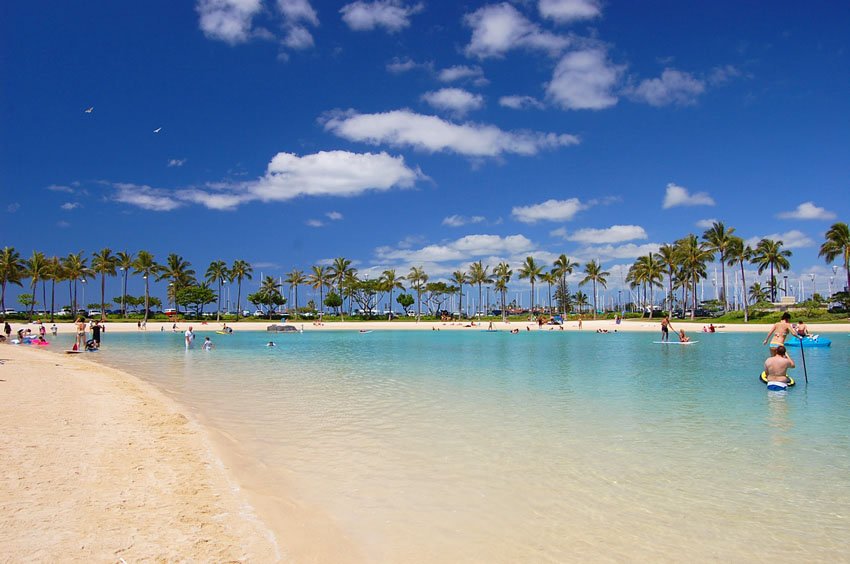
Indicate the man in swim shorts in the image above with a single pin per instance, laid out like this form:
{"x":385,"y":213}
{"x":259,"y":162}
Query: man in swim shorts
{"x":665,"y":329}
{"x":777,"y":365}
{"x":779,"y":331}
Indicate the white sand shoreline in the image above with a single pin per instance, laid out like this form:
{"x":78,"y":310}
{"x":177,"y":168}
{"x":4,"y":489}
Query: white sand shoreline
{"x":99,"y":465}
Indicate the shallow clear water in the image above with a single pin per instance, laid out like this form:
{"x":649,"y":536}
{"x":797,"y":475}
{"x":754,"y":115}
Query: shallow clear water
{"x":543,"y":446}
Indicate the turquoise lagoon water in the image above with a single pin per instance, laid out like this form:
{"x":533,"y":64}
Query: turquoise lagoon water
{"x":538,"y":447}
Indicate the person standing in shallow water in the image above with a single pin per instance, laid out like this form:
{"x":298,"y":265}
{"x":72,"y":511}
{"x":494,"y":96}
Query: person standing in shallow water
{"x":779,"y":331}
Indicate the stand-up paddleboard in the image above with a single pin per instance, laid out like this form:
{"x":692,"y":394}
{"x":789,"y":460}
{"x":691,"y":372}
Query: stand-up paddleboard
{"x":74,"y":352}
{"x":223,"y":332}
{"x":364,"y":331}
{"x":675,"y":342}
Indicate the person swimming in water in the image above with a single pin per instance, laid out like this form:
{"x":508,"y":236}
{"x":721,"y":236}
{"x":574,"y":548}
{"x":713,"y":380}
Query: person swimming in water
{"x":779,"y":331}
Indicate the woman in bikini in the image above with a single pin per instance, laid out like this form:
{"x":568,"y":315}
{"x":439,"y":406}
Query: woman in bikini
{"x":779,"y":331}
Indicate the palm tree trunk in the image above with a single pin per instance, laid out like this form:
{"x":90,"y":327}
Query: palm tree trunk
{"x":147,"y":299}
{"x":218,"y":306}
{"x":102,"y":296}
{"x":238,"y":298}
{"x":124,"y":295}
{"x":32,"y":304}
{"x":723,"y":287}
{"x":744,"y":292}
{"x":52,"y":298}
{"x":594,"y":299}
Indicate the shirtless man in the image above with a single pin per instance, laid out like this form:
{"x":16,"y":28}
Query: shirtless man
{"x":779,"y":331}
{"x":802,"y":330}
{"x":777,"y":365}
{"x":665,"y":329}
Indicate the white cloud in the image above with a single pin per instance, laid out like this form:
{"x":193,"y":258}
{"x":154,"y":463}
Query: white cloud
{"x":288,"y":176}
{"x":550,"y":210}
{"x":465,"y":248}
{"x":705,"y":223}
{"x":460,"y":220}
{"x":807,"y":210}
{"x":392,"y":15}
{"x":145,"y":197}
{"x":462,"y":72}
{"x":63,"y":224}
{"x":297,"y":37}
{"x":672,"y":87}
{"x":399,"y":66}
{"x":520,"y":102}
{"x":719,"y":75}
{"x":566,"y":11}
{"x":228,"y":20}
{"x":584,"y":80}
{"x":314,"y":223}
{"x":454,"y":100}
{"x":613,"y":234}
{"x":176,"y":162}
{"x":13,"y":207}
{"x":793,"y":239}
{"x":294,"y":11}
{"x":432,"y":134}
{"x":68,"y":206}
{"x":60,"y":188}
{"x":333,"y":215}
{"x":679,"y":196}
{"x":627,"y":251}
{"x":498,"y":28}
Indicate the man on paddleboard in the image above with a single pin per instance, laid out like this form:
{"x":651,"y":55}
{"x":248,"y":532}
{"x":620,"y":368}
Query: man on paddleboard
{"x":777,"y":365}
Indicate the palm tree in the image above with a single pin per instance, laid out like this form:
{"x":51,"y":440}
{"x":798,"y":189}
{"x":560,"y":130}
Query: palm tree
{"x":770,"y":254}
{"x":532,"y":271}
{"x":757,"y":293}
{"x":561,"y":268}
{"x":76,"y":268}
{"x":417,"y":279}
{"x":147,"y":267}
{"x":390,"y":282}
{"x":594,"y":273}
{"x":11,"y":272}
{"x":239,"y":271}
{"x":270,"y":288}
{"x":693,"y":257}
{"x":124,"y":262}
{"x":503,"y":275}
{"x":719,"y":238}
{"x":104,"y":262}
{"x":669,"y":261}
{"x":36,"y":269}
{"x":55,"y":273}
{"x":179,"y":272}
{"x":460,"y":278}
{"x":349,"y":285}
{"x":581,"y":300}
{"x":837,"y":244}
{"x":295,"y":279}
{"x":479,"y":274}
{"x":646,"y":272}
{"x":740,"y":253}
{"x":550,"y":278}
{"x":318,"y":279}
{"x":217,"y":272}
{"x":340,"y":268}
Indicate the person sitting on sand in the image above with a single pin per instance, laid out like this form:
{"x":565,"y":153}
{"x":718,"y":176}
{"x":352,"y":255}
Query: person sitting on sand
{"x":711,"y":328}
{"x":779,"y":331}
{"x":682,"y":337}
{"x":777,"y":365}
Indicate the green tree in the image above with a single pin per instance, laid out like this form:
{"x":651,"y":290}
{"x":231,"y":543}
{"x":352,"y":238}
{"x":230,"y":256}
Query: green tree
{"x":217,"y":273}
{"x":405,"y":301}
{"x":11,"y":272}
{"x":27,"y":301}
{"x":180,"y":274}
{"x":550,"y":278}
{"x":339,"y":270}
{"x":460,"y":278}
{"x":418,"y":279}
{"x":770,"y":254}
{"x":76,"y":268}
{"x":503,"y":274}
{"x":390,"y":282}
{"x":740,"y":253}
{"x":195,"y":297}
{"x":55,"y":274}
{"x":758,"y":294}
{"x":104,"y":263}
{"x":668,"y":258}
{"x":837,"y":244}
{"x":719,"y":238}
{"x":562,"y":267}
{"x":268,"y":295}
{"x":145,"y":265}
{"x":124,"y":262}
{"x":295,"y":279}
{"x":594,"y":273}
{"x":693,"y":257}
{"x":239,"y":272}
{"x":333,"y":300}
{"x":37,"y":271}
{"x":318,"y":279}
{"x":478,"y":275}
{"x":530,"y":270}
{"x":580,"y":299}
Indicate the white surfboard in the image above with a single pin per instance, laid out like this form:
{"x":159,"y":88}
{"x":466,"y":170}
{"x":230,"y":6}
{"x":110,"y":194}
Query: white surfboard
{"x":675,"y":342}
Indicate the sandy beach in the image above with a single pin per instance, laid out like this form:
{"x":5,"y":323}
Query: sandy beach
{"x":98,"y":466}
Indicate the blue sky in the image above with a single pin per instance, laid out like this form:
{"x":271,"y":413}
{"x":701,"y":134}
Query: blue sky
{"x":399,"y":133}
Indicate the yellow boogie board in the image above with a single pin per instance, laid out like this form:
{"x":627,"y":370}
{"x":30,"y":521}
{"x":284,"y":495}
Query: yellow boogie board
{"x":776,"y":386}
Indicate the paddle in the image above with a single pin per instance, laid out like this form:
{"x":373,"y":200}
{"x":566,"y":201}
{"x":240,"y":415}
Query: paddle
{"x":803,"y":353}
